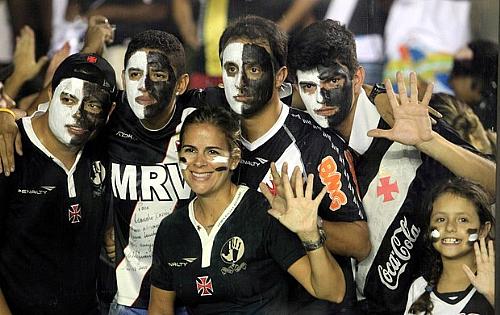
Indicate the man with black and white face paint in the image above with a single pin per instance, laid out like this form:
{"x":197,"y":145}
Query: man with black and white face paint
{"x":78,"y":109}
{"x":253,"y":56}
{"x":59,"y":186}
{"x":327,"y":93}
{"x":150,"y":80}
{"x":400,"y":155}
{"x":248,"y":76}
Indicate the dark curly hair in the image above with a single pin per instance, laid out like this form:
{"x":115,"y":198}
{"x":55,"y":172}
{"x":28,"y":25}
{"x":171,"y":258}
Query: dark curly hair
{"x":462,"y":188}
{"x":164,"y":42}
{"x":322,"y":43}
{"x":260,"y":31}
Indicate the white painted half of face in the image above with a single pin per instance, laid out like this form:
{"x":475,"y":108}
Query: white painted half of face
{"x":435,"y":234}
{"x":312,"y":101}
{"x":138,"y":60}
{"x":233,"y":53}
{"x":61,"y":115}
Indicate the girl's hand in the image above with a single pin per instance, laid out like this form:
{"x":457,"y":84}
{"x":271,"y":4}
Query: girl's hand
{"x":484,"y":279}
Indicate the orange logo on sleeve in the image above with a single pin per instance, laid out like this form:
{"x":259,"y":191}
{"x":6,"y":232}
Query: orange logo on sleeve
{"x":331,"y":178}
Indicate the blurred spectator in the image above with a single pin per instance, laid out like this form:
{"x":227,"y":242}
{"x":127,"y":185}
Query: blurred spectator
{"x":366,"y":19}
{"x":5,"y":35}
{"x":423,"y":36}
{"x":474,"y":79}
{"x":484,"y":20}
{"x":37,"y":14}
{"x":463,"y":119}
{"x":201,"y":23}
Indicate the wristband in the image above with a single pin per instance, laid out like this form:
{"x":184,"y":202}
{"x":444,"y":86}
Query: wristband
{"x":8,"y":111}
{"x":309,"y":246}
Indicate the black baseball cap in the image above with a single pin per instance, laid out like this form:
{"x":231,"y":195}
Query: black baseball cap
{"x":74,"y":67}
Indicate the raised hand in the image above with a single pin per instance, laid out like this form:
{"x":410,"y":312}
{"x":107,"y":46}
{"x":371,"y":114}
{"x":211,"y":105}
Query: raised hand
{"x":25,"y":63}
{"x":299,"y":212}
{"x":99,"y":33}
{"x":412,"y":123}
{"x":276,"y":195}
{"x":484,"y":279}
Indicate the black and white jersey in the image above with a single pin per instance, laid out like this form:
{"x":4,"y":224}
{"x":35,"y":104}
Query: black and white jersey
{"x":146,"y":184}
{"x":240,"y":267}
{"x":51,"y":229}
{"x":296,"y":139}
{"x":393,"y":180}
{"x":467,"y":302}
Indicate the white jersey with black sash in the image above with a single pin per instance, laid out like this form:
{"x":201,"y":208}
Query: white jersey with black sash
{"x":466,"y":302}
{"x":393,"y":180}
{"x":146,"y":185}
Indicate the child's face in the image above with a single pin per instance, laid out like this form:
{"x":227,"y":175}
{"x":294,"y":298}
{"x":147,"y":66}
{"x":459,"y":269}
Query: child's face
{"x":455,"y":218}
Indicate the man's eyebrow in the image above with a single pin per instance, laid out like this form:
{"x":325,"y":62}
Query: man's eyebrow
{"x":68,"y":95}
{"x":307,"y":82}
{"x":135,"y":69}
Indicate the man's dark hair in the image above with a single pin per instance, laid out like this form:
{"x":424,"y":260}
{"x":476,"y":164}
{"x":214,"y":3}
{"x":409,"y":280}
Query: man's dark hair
{"x":258,"y":30}
{"x":322,"y":43}
{"x":164,"y":42}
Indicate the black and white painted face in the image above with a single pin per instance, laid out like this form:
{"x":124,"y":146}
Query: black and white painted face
{"x":327,"y":93}
{"x":149,"y":83}
{"x":77,"y":110}
{"x":248,"y":76}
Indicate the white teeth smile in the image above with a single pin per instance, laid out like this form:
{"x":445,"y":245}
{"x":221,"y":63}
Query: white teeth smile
{"x":450,"y":241}
{"x":200,"y":175}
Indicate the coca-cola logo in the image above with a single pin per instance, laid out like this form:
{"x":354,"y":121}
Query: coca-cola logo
{"x":402,"y":241}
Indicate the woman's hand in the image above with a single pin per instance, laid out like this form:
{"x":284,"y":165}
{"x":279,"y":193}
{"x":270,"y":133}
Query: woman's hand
{"x":484,"y":279}
{"x":293,"y":204}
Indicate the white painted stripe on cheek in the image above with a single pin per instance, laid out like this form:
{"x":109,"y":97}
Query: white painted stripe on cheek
{"x":139,"y":60}
{"x":233,"y":53}
{"x":221,"y":159}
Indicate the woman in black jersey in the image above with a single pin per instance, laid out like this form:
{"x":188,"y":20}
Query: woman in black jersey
{"x":227,"y":252}
{"x":461,"y":271}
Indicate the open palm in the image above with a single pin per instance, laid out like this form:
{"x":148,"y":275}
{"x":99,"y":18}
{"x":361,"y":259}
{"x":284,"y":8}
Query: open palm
{"x":298,"y":211}
{"x":412,"y":123}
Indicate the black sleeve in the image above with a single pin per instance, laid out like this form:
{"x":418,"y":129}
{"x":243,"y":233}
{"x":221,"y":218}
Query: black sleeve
{"x":283,"y":245}
{"x":161,"y":273}
{"x":342,"y":202}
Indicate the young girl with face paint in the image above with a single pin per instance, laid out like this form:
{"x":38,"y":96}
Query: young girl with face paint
{"x":224,"y":252}
{"x":460,"y":275}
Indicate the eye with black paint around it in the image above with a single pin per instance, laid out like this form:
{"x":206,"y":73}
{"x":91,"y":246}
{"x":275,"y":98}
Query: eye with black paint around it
{"x":158,"y":76}
{"x":333,"y":83}
{"x":92,"y":107}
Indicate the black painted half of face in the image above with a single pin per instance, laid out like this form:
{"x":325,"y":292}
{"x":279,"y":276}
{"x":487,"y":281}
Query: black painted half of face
{"x":257,"y":78}
{"x":160,"y":82}
{"x":336,"y":90}
{"x":92,"y":113}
